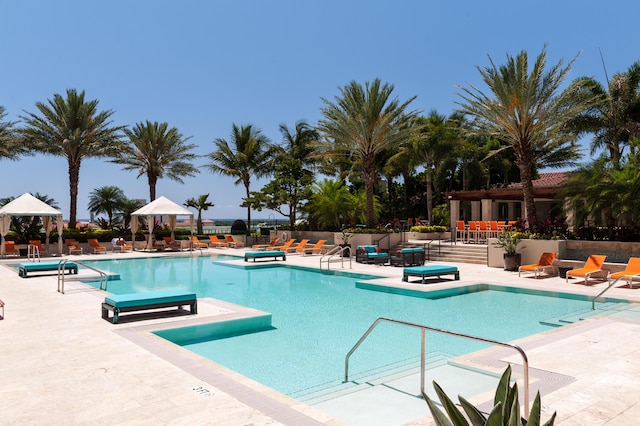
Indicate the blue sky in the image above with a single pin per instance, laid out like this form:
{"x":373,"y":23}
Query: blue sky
{"x":203,"y":65}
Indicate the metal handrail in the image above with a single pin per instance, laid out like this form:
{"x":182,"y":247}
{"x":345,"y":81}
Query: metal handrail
{"x":32,"y":252}
{"x":336,"y":251}
{"x":593,"y":302}
{"x":61,"y":269}
{"x":424,"y":328}
{"x":388,"y":237}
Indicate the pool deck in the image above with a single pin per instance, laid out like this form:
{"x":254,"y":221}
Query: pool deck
{"x":61,"y":363}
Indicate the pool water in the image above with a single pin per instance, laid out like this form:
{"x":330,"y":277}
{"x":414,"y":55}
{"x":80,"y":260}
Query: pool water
{"x":317,"y":318}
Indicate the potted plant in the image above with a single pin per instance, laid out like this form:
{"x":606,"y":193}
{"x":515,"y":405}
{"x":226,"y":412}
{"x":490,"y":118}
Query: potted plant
{"x":508,"y":241}
{"x":345,"y":242}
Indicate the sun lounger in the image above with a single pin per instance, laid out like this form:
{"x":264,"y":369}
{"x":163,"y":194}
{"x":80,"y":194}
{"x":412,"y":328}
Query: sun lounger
{"x":273,"y":242}
{"x":27,"y":267}
{"x":119,"y":244}
{"x":429,"y":271}
{"x":298,"y":248}
{"x":631,"y":271}
{"x":284,"y":246}
{"x":214,"y":241}
{"x":316,"y":248}
{"x":73,"y":246}
{"x":144,"y":301}
{"x":95,"y":246}
{"x":196,"y":243}
{"x":36,"y":247}
{"x":265,"y":254}
{"x":233,"y":243}
{"x":10,"y":249}
{"x":545,"y":262}
{"x":592,"y":266}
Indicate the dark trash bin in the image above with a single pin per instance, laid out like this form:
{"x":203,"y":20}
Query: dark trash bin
{"x":238,"y":227}
{"x":562,"y":271}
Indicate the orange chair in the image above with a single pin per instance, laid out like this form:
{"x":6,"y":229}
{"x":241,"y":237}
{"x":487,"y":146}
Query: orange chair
{"x":546,"y":261}
{"x":233,"y":243}
{"x":196,"y":242}
{"x":10,"y":249}
{"x":172,"y":244}
{"x":593,"y":265}
{"x":461,"y":231}
{"x":632,"y":270}
{"x":299,"y":248}
{"x":215,"y":242}
{"x":315,"y":249}
{"x":38,"y":244}
{"x":472,"y":232}
{"x":283,"y":247}
{"x":73,"y":246}
{"x":95,"y":246}
{"x":273,"y":242}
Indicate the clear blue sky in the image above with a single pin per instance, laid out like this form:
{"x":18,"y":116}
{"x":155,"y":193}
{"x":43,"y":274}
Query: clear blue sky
{"x":203,"y":65}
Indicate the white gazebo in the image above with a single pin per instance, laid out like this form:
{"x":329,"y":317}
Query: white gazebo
{"x":161,"y":206}
{"x":28,"y":205}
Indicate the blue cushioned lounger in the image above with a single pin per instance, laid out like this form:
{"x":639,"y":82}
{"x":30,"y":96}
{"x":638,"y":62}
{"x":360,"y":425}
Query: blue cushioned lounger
{"x":26,"y":267}
{"x":265,"y":253}
{"x":151,"y":300}
{"x":430,"y":271}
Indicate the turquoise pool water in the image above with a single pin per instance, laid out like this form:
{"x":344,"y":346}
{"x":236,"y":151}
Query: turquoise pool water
{"x":317,"y":318}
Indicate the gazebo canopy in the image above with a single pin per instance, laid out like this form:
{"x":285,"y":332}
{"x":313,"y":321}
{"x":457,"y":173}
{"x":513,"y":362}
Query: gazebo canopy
{"x":28,"y":205}
{"x":161,"y":206}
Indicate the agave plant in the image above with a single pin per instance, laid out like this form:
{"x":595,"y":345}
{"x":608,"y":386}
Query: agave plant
{"x":505,"y":412}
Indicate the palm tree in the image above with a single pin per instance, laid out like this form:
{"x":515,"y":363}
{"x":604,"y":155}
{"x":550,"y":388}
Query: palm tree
{"x":615,"y":120}
{"x":365,"y":121}
{"x":108,"y":200}
{"x":156,"y":150}
{"x":247,"y":155}
{"x":74,"y":129}
{"x":526,"y":110}
{"x":330,"y":204}
{"x":10,"y":149}
{"x":201,"y":203}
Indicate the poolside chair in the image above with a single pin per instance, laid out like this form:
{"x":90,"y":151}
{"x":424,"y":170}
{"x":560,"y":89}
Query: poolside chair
{"x":10,"y":249}
{"x":215,"y":242}
{"x":299,"y":248}
{"x":196,"y":242}
{"x":73,"y":246}
{"x":631,"y":271}
{"x":119,"y":244}
{"x":461,"y":231}
{"x":40,"y":248}
{"x":316,"y":248}
{"x":172,"y":244}
{"x":273,"y":242}
{"x":593,"y":265}
{"x":95,"y":246}
{"x":233,"y":243}
{"x":545,"y":262}
{"x":283,"y":247}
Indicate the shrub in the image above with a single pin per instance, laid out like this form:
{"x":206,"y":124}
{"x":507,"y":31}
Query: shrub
{"x":428,"y":228}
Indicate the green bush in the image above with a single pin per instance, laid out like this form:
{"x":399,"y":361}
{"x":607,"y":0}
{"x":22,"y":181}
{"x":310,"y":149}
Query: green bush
{"x":428,"y":228}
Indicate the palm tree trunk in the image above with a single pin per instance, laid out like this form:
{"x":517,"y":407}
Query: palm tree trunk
{"x":526,"y":178}
{"x":74,"y":177}
{"x":429,"y":181}
{"x":369,"y":177}
{"x":153,"y":180}
{"x":246,"y":187}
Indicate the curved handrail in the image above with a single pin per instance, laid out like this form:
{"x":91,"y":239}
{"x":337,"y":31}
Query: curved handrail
{"x":423,"y":328}
{"x":61,"y":268}
{"x":593,"y":302}
{"x":336,"y":251}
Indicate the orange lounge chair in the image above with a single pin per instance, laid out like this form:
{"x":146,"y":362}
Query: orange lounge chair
{"x":546,"y":261}
{"x":632,"y":270}
{"x":315,"y":249}
{"x":299,"y":248}
{"x":196,"y":242}
{"x":119,"y":244}
{"x":10,"y":249}
{"x":95,"y":246}
{"x":273,"y":242}
{"x":283,"y":247}
{"x":593,"y":265}
{"x":172,"y":244}
{"x":38,"y":244}
{"x":233,"y":243}
{"x":215,"y":242}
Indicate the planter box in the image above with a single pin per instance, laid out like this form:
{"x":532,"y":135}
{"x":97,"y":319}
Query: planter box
{"x":429,"y":235}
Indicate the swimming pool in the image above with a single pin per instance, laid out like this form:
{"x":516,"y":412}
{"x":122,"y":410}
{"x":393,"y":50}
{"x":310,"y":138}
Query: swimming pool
{"x":317,"y":318}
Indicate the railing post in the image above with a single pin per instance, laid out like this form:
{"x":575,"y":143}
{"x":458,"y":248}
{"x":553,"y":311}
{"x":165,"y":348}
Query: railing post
{"x":423,"y":359}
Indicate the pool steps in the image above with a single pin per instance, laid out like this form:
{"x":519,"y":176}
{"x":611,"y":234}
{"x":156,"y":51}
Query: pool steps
{"x":605,"y":308}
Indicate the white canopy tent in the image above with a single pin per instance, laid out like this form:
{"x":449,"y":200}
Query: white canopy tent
{"x":28,"y":205}
{"x":161,"y":206}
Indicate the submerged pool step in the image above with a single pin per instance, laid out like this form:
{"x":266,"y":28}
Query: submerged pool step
{"x":605,"y":308}
{"x":368,"y":379}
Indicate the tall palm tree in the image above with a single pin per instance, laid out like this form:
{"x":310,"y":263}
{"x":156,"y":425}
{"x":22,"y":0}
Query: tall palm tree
{"x":248,"y":154}
{"x":156,"y":150}
{"x":615,"y":120}
{"x":72,"y":128}
{"x":526,"y":109}
{"x":108,"y":200}
{"x":365,"y":121}
{"x":10,"y":149}
{"x":201,"y":203}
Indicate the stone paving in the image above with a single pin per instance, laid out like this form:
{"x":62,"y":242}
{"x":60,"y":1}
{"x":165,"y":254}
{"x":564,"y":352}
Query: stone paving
{"x":61,"y":363}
